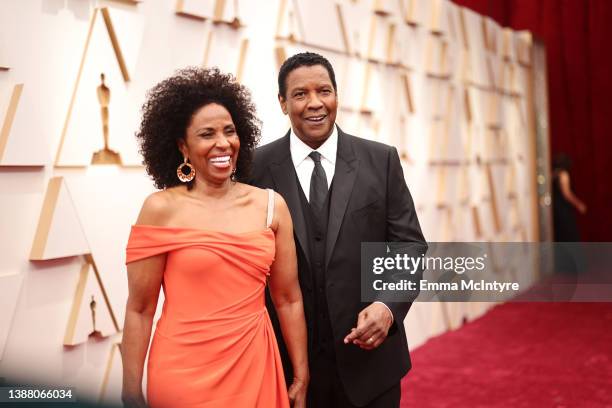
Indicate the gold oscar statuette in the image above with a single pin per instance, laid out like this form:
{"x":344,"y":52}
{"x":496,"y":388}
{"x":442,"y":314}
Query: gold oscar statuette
{"x":105,"y":155}
{"x":235,"y":23}
{"x":92,"y":307}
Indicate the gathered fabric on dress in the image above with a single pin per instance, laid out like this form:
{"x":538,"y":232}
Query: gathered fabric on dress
{"x":214,"y":345}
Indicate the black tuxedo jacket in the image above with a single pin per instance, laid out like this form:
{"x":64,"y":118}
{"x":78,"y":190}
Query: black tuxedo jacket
{"x":370,"y":202}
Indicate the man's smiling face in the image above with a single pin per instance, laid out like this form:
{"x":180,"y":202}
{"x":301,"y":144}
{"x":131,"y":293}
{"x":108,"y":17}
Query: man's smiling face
{"x":311,"y":103}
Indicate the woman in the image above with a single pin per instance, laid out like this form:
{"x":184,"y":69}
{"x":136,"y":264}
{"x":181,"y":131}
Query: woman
{"x":565,"y":202}
{"x":212,"y":243}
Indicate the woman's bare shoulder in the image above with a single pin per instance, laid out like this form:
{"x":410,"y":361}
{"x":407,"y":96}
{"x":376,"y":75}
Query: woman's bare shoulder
{"x":256,"y":195}
{"x":157,"y":207}
{"x":262,"y":197}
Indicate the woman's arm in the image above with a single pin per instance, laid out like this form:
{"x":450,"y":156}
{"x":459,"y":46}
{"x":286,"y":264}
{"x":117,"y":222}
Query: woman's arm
{"x":287,"y":298}
{"x":566,"y":190}
{"x":144,"y":283}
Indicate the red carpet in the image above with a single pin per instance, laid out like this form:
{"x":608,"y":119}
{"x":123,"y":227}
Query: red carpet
{"x":518,"y":355}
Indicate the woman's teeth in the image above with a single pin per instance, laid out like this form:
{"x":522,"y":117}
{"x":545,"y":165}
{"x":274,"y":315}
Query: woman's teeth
{"x":221,"y":161}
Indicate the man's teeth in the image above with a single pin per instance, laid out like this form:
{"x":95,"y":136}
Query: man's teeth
{"x":316,"y":118}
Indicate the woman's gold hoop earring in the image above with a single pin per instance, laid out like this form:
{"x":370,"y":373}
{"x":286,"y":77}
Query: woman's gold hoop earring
{"x":180,"y":171}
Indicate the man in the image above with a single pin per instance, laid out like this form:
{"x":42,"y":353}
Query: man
{"x":341,"y":190}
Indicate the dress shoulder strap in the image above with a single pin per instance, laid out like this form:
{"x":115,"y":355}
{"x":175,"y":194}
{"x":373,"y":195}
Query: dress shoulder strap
{"x":270,"y":207}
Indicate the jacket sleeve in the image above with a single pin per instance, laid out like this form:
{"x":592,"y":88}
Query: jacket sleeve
{"x":403,"y":228}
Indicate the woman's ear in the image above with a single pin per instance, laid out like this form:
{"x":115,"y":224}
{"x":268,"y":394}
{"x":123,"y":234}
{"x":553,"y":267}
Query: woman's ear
{"x":182,"y":146}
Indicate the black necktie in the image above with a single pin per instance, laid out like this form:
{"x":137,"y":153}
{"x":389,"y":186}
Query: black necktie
{"x":318,"y":182}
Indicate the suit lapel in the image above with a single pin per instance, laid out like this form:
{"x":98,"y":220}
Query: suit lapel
{"x":285,"y":180}
{"x":345,"y":174}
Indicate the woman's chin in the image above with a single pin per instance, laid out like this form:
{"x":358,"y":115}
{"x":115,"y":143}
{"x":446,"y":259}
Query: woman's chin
{"x":224,"y":171}
{"x":218,"y":177}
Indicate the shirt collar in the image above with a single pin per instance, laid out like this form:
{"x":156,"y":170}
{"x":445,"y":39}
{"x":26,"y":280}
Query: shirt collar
{"x":300,"y":150}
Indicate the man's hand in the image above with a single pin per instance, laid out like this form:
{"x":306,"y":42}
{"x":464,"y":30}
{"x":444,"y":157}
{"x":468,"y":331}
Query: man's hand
{"x":373,"y":324}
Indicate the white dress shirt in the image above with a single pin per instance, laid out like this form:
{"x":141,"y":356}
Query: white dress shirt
{"x":304,"y":165}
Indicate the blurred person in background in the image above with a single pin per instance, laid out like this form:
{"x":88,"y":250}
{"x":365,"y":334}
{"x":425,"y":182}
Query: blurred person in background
{"x":565,"y":202}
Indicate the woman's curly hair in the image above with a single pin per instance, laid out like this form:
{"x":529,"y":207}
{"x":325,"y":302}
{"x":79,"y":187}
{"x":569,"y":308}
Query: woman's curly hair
{"x":168,"y":111}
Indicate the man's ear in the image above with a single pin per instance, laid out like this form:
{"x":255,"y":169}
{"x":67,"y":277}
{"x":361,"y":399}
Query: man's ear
{"x":283,"y":103}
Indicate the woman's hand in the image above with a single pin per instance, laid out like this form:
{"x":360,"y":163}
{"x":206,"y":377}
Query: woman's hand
{"x":133,"y":400}
{"x":297,"y":393}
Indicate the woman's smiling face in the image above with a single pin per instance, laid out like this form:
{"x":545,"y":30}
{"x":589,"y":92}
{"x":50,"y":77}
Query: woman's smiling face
{"x":211,"y":143}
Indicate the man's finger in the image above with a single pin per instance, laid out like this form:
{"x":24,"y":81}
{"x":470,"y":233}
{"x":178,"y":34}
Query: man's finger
{"x":379,"y":341}
{"x":366,"y":336}
{"x":351,"y":336}
{"x":370,"y":329}
{"x":372,"y":342}
{"x":368,"y":347}
{"x":362,"y":325}
{"x":367,"y":340}
{"x":362,"y":319}
{"x":366,"y":327}
{"x":355,"y":333}
{"x":365,"y":346}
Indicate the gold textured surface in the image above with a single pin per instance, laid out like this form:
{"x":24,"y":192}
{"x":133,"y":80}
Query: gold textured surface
{"x":46,"y":217}
{"x":9,"y":117}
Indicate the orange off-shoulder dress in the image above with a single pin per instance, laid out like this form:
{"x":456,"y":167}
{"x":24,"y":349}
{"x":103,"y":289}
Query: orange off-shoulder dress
{"x":214,"y":346}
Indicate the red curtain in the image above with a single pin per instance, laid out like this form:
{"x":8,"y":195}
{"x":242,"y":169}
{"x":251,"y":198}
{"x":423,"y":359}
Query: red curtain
{"x":578,"y":38}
